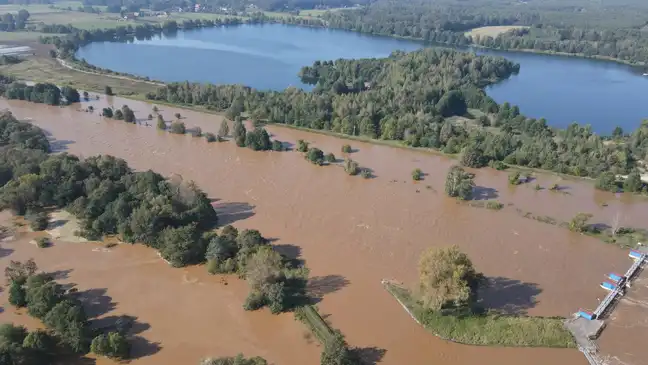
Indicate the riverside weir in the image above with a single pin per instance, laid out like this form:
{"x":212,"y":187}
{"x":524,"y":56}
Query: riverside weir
{"x":586,"y":326}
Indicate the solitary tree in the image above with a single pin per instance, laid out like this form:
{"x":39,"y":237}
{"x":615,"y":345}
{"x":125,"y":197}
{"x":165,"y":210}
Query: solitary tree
{"x":315,"y":155}
{"x":579,"y":222}
{"x":302,"y":146}
{"x":330,"y":158}
{"x":239,"y":132}
{"x":161,"y":124}
{"x":129,"y":115}
{"x":107,"y":112}
{"x":351,"y":167}
{"x":417,"y":175}
{"x":606,"y":181}
{"x":633,"y":183}
{"x":223,"y":131}
{"x":178,"y":128}
{"x":459,"y":183}
{"x":447,"y":278}
{"x":108,"y":90}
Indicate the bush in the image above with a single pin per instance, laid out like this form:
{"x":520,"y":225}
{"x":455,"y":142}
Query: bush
{"x":210,"y":137}
{"x":277,"y":146}
{"x":494,"y":205}
{"x":346,"y":148}
{"x":17,"y":295}
{"x":113,"y":345}
{"x":107,"y":112}
{"x":129,"y":115}
{"x":302,"y":146}
{"x":119,"y":115}
{"x":223,"y":131}
{"x":607,"y":181}
{"x":108,"y":90}
{"x":315,"y":156}
{"x":38,"y":221}
{"x":197,"y":132}
{"x":161,"y":124}
{"x":459,"y":183}
{"x":178,"y":128}
{"x":514,"y":178}
{"x":498,"y":165}
{"x":417,"y":175}
{"x":178,"y":116}
{"x":351,"y":167}
{"x":366,"y":173}
{"x":150,"y":117}
{"x":330,"y":158}
{"x":258,"y":140}
{"x":42,"y":242}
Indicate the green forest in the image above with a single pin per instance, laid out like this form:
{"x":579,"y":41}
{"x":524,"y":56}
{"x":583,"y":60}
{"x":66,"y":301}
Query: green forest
{"x":430,"y":99}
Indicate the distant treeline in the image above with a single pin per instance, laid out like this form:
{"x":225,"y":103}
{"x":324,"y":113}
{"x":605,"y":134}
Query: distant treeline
{"x":10,"y":22}
{"x":550,"y":30}
{"x":271,"y":5}
{"x":45,"y":93}
{"x":409,"y":97}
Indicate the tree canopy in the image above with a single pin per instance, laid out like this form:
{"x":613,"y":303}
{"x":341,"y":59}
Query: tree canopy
{"x":447,"y":278}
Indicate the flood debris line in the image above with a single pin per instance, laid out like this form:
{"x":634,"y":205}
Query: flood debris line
{"x":586,"y":326}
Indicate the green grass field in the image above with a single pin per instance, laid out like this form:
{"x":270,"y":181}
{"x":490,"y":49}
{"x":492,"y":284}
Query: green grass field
{"x":41,"y":69}
{"x":488,"y":329}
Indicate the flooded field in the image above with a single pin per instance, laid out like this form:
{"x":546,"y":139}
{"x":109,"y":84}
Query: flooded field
{"x":352,"y":233}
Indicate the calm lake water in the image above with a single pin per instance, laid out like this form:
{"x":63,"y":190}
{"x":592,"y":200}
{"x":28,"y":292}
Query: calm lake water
{"x":560,"y":89}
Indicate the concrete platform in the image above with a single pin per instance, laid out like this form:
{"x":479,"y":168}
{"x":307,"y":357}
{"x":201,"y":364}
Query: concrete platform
{"x":584,"y":331}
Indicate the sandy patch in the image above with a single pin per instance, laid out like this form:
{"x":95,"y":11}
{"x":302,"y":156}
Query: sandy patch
{"x":492,"y":31}
{"x":62,"y":227}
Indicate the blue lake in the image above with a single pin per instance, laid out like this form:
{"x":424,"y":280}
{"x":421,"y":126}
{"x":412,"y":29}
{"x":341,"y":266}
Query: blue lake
{"x":560,"y":89}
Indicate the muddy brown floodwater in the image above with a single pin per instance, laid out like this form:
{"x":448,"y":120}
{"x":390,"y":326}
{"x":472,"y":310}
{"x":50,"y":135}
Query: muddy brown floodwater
{"x":351,"y":232}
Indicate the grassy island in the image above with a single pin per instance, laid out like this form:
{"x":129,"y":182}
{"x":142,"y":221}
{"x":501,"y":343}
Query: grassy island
{"x":490,"y":329}
{"x":448,"y":307}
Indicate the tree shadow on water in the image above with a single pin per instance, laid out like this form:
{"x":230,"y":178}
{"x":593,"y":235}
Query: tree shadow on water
{"x":4,"y":252}
{"x":95,"y":302}
{"x":229,"y":213}
{"x":60,"y":274}
{"x":320,"y":286}
{"x":122,"y":323}
{"x":58,"y":145}
{"x":484,"y":193}
{"x":141,"y":347}
{"x":368,"y":355}
{"x":292,"y":252}
{"x":509,"y":296}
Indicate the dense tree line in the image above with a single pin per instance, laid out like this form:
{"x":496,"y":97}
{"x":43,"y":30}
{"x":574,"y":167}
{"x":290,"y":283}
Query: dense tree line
{"x":76,"y":38}
{"x":409,"y":97}
{"x":274,"y":280}
{"x":68,"y":328}
{"x":46,"y":93}
{"x":575,"y":27}
{"x":630,"y":45}
{"x":106,"y":195}
{"x":10,"y":22}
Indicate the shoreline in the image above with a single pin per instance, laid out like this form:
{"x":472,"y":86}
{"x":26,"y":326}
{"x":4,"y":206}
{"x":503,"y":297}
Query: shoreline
{"x":392,"y":289}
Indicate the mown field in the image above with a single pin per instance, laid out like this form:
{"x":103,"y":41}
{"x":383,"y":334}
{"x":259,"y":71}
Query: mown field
{"x":42,"y":69}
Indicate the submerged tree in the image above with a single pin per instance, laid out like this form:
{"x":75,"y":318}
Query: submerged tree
{"x":459,"y":183}
{"x":223,"y":131}
{"x":447,"y":278}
